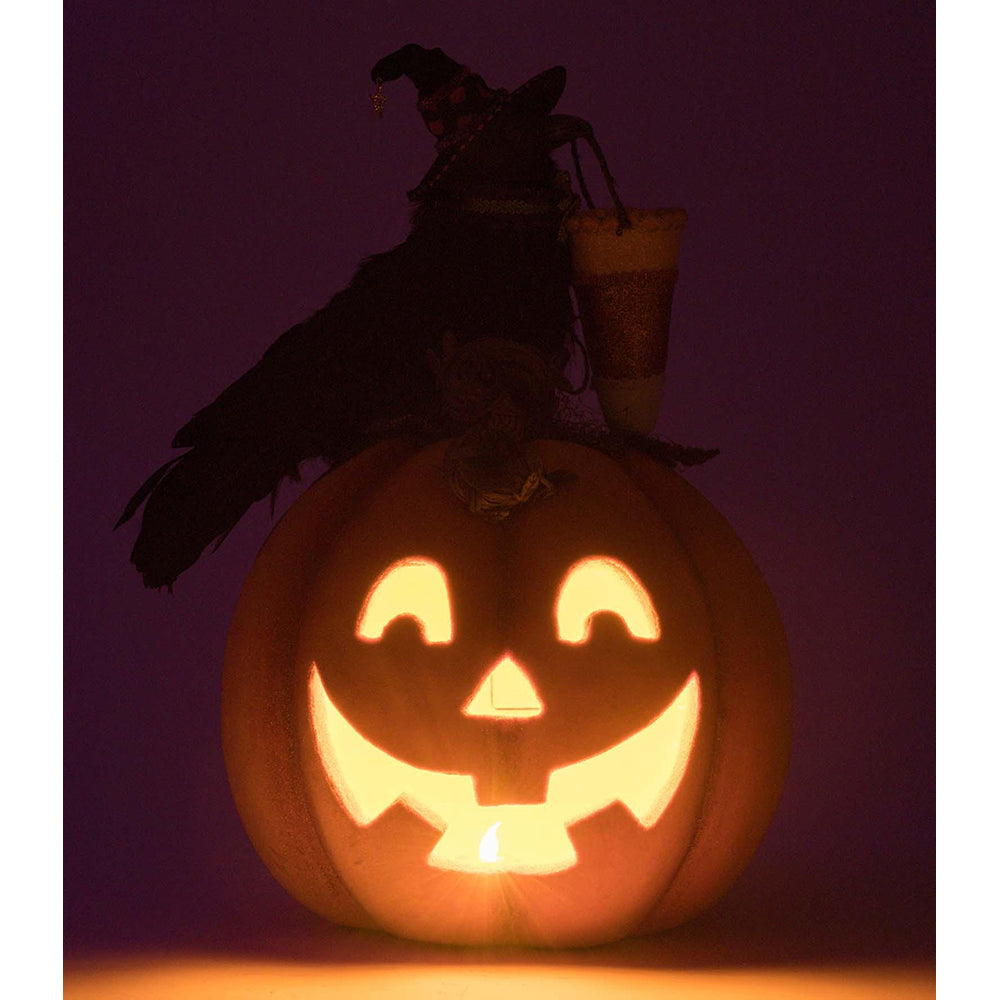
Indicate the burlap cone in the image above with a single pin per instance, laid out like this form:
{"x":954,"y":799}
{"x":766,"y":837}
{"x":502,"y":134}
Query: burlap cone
{"x":624,"y":289}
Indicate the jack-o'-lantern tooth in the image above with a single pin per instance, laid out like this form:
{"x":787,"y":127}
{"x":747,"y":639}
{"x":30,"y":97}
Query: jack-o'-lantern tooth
{"x":642,"y":772}
{"x":663,"y":752}
{"x":506,"y":692}
{"x":370,"y":780}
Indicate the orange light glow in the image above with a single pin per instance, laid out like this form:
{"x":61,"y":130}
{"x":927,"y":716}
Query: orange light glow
{"x":506,"y":692}
{"x":221,"y":977}
{"x":600,"y":583}
{"x":642,"y":772}
{"x":414,"y":587}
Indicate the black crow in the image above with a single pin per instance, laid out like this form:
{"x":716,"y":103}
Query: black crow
{"x":486,"y":259}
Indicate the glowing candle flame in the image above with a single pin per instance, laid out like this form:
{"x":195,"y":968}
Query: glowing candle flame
{"x":489,"y":846}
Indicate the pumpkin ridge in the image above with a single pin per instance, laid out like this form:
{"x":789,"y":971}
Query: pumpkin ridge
{"x":706,"y":521}
{"x":248,"y":771}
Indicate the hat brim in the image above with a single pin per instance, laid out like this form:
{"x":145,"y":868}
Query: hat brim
{"x":542,"y":92}
{"x":539,"y":95}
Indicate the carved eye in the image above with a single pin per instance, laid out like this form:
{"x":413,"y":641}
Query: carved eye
{"x":600,"y":583}
{"x":414,"y":587}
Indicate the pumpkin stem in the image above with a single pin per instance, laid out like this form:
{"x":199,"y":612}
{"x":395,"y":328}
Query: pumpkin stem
{"x":498,"y":394}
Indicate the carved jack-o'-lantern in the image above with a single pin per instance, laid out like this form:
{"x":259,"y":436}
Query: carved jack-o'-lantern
{"x":559,"y":728}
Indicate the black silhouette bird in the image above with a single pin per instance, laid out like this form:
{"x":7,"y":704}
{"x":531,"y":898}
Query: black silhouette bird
{"x":484,"y":259}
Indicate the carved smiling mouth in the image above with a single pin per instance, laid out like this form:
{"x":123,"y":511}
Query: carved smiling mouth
{"x":642,"y":772}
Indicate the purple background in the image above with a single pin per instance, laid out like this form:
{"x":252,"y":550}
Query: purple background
{"x":224,"y":176}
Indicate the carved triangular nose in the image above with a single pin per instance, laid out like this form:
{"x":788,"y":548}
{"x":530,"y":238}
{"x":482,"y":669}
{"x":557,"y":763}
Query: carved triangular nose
{"x":506,"y":692}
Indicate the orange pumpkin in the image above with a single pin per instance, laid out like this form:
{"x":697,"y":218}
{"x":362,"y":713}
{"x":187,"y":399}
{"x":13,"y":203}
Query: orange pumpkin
{"x":560,"y":728}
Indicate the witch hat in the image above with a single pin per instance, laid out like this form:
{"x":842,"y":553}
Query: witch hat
{"x":456,"y":104}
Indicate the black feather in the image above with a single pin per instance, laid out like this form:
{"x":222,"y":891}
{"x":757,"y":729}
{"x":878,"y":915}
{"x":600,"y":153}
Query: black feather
{"x":140,"y":494}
